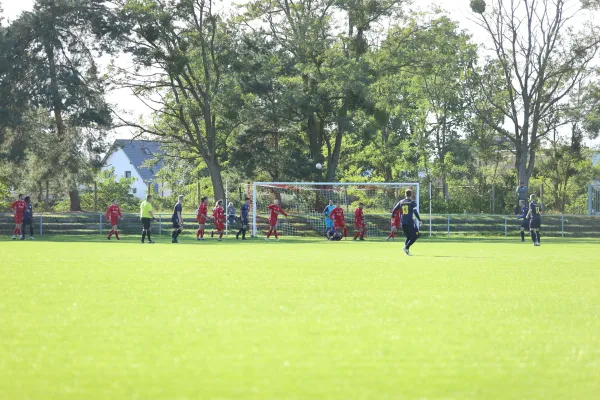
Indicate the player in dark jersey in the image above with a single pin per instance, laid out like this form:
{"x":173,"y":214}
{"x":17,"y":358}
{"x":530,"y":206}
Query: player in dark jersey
{"x":177,"y":220}
{"x":535,"y":219}
{"x":408,"y":207}
{"x":28,"y":218}
{"x":244,"y":212}
{"x":525,"y":223}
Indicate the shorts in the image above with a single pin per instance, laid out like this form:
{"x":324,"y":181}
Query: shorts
{"x":176,"y":224}
{"x":410,"y":229}
{"x":114,"y":221}
{"x":525,"y":224}
{"x":219,"y":226}
{"x":18,"y":219}
{"x":535,"y":223}
{"x":201,"y":221}
{"x":339,"y":225}
{"x":396,"y":224}
{"x":146,"y":223}
{"x":273,"y":223}
{"x":360,"y":225}
{"x":27,"y":221}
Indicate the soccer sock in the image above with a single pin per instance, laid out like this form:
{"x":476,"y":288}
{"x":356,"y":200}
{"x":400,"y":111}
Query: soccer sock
{"x":148,"y":234}
{"x":275,"y":233}
{"x":522,"y":235}
{"x":533,"y":236}
{"x":356,"y":235}
{"x":15,"y":231}
{"x":202,"y":234}
{"x":174,"y":234}
{"x":391,"y":235}
{"x":198,"y":233}
{"x":220,"y":234}
{"x":111,"y":233}
{"x":345,"y":232}
{"x":143,"y":235}
{"x":538,"y":236}
{"x":116,"y":234}
{"x":18,"y":231}
{"x":362,"y":235}
{"x":269,"y":233}
{"x":243,"y":234}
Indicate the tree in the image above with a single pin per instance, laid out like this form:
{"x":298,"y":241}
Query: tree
{"x":541,"y":58}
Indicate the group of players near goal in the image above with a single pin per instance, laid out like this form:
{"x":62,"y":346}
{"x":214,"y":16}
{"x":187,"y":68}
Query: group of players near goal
{"x":402,"y":217}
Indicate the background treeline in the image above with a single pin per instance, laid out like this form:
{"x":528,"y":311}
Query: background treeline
{"x":267,"y":89}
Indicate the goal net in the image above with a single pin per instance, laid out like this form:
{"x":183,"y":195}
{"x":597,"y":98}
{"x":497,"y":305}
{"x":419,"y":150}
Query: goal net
{"x":306,"y":202}
{"x":594,"y":199}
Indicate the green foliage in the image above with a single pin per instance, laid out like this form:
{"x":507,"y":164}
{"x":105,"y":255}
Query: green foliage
{"x":109,"y":189}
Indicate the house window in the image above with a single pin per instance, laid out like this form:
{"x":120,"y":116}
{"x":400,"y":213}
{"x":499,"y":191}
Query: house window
{"x":127,"y":174}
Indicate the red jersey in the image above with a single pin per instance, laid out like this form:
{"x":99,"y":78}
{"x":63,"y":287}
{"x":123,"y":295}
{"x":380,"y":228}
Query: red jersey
{"x":337,"y":215}
{"x":113,"y":212}
{"x":218,"y":214}
{"x":396,"y":218}
{"x":275,"y":210}
{"x":19,"y":207}
{"x":359,"y":219}
{"x":202,"y":213}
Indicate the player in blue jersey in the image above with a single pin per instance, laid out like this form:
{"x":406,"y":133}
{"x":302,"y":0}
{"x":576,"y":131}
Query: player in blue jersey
{"x":244,"y":212}
{"x":28,"y":218}
{"x":535,"y":219}
{"x":328,"y":221}
{"x":177,"y":220}
{"x":525,"y":223}
{"x":408,"y":208}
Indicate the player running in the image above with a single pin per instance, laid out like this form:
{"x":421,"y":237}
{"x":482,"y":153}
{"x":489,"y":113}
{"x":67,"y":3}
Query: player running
{"x":28,"y":217}
{"x":113,"y":214}
{"x":535,"y":219}
{"x":337,"y":216}
{"x":408,"y":207}
{"x":201,"y":217}
{"x":219,"y":219}
{"x":328,"y":221}
{"x":524,"y":215}
{"x":177,"y":220}
{"x":244,"y":212}
{"x":394,"y":225}
{"x":274,"y":210}
{"x":359,"y":223}
{"x":18,"y":207}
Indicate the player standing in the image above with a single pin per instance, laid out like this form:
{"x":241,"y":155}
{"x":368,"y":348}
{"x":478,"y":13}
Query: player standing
{"x":17,"y":207}
{"x":328,"y":221}
{"x":201,"y":217}
{"x":177,"y":219}
{"x":524,"y":215}
{"x":244,"y":211}
{"x":28,"y":217}
{"x":395,"y":225}
{"x":219,"y":219}
{"x":408,"y":207}
{"x":359,"y":223}
{"x":113,"y":214}
{"x":274,"y":210}
{"x":337,"y":216}
{"x":146,"y":216}
{"x":535,"y":219}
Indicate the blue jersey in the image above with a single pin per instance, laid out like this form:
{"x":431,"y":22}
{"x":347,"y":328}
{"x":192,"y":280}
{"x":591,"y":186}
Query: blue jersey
{"x":524,"y":212}
{"x":327,"y":211}
{"x":536,"y":209}
{"x":408,"y":207}
{"x":244,"y":211}
{"x":28,"y":211}
{"x":177,"y":209}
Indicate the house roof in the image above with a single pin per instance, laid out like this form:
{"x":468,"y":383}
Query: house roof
{"x":139,"y":152}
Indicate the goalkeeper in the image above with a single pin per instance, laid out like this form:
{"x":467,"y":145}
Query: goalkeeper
{"x":328,"y":221}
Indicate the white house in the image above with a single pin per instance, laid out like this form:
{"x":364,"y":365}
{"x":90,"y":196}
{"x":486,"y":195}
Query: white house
{"x":128,"y":158}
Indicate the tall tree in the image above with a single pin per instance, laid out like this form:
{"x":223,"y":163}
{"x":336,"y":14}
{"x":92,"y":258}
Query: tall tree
{"x":542,"y":57}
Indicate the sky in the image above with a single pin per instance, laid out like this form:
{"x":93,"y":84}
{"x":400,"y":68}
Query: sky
{"x":458,"y":10}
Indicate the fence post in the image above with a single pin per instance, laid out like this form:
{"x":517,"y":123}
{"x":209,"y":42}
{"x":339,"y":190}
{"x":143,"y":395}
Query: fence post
{"x":563,"y":225}
{"x":448,"y":225}
{"x":160,"y":224}
{"x":100,"y":224}
{"x":41,"y":223}
{"x":505,"y":225}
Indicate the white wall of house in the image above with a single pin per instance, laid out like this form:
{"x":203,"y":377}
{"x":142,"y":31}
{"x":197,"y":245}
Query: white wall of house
{"x":596,"y":159}
{"x":120,"y":162}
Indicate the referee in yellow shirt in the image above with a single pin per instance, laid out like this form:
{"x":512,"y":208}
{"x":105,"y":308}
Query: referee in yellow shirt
{"x":147,"y":217}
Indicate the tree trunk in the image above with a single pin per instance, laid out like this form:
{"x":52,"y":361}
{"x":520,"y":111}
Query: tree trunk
{"x":217,"y":181}
{"x":334,"y":158}
{"x":75,"y":201}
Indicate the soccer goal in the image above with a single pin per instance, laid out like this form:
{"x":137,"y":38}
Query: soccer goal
{"x":594,"y":199}
{"x":306,"y":201}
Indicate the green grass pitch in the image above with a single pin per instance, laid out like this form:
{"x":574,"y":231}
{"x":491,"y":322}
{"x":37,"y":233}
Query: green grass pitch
{"x":299,"y":319}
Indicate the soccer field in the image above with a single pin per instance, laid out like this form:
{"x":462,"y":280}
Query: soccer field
{"x":299,"y":319}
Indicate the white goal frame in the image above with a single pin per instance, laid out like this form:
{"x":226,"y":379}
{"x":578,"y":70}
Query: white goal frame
{"x":378,"y":184}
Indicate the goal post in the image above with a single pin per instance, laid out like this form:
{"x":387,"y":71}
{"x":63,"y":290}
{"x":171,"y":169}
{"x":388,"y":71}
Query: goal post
{"x":305,"y":202}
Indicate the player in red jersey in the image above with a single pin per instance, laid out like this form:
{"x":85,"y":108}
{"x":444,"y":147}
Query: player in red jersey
{"x":395,"y":225}
{"x":113,"y":214}
{"x":274,"y":211}
{"x":219,"y":219}
{"x":359,"y":223}
{"x":17,"y":207}
{"x":201,"y":217}
{"x":337,"y":215}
